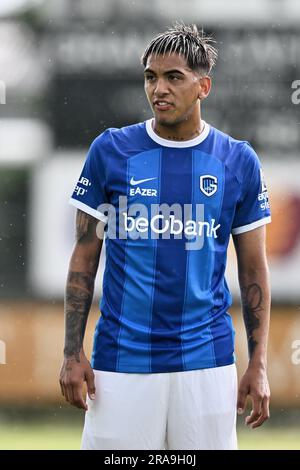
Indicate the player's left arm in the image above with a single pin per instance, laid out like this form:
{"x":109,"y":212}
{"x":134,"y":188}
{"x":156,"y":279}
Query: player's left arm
{"x":255,"y":295}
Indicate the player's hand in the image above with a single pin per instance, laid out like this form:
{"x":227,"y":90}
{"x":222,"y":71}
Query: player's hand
{"x":72,"y":376}
{"x":255,"y":384}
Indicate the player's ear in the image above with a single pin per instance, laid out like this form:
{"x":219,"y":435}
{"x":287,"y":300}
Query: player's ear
{"x":204,"y":87}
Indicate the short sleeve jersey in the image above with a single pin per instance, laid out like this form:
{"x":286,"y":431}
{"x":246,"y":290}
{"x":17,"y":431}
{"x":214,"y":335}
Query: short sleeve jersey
{"x":169,"y":209}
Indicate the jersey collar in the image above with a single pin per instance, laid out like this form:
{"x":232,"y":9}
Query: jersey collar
{"x":173,"y":143}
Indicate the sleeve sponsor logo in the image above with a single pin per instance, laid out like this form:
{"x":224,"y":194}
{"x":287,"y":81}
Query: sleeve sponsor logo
{"x":263,"y":197}
{"x":82,"y":185}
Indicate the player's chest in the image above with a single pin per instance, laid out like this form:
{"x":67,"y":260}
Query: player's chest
{"x":176,"y":176}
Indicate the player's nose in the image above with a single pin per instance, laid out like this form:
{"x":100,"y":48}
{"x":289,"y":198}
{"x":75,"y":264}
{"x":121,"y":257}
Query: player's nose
{"x":161,"y":88}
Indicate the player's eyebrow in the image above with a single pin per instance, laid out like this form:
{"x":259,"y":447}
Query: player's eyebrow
{"x":148,"y":70}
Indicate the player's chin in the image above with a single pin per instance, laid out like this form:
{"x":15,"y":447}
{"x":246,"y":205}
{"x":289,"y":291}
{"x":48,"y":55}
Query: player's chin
{"x":165,"y":119}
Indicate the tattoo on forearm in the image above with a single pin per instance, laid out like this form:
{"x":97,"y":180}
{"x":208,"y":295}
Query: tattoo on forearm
{"x":79,"y":295}
{"x":79,"y":290}
{"x":252,"y":298}
{"x":85,"y":227}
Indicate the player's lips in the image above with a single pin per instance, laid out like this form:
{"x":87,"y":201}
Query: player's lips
{"x":162,"y":105}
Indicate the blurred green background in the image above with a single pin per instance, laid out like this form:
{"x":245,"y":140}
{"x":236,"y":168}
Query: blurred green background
{"x":60,"y":429}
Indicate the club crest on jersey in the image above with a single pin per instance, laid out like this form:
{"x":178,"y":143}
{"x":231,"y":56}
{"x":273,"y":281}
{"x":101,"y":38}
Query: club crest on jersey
{"x":208,"y":184}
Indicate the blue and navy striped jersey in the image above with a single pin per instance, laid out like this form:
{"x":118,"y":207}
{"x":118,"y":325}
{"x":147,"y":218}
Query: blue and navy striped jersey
{"x":170,"y":208}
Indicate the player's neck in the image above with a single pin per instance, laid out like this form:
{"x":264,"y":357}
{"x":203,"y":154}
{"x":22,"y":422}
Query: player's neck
{"x":186,"y":130}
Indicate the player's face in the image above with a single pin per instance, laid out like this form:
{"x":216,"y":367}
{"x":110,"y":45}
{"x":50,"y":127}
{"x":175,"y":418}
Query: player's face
{"x":173,"y":89}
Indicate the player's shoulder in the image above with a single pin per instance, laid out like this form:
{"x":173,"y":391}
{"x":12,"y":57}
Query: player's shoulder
{"x":234,"y":150}
{"x":226,"y":141}
{"x":114,"y":136}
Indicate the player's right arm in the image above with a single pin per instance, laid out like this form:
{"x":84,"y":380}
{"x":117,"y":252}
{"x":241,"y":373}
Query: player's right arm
{"x":78,"y":298}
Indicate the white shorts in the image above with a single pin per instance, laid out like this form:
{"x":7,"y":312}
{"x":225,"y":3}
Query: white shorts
{"x":188,"y":410}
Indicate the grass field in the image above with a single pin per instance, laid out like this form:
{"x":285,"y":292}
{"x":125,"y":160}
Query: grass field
{"x":22,"y":436}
